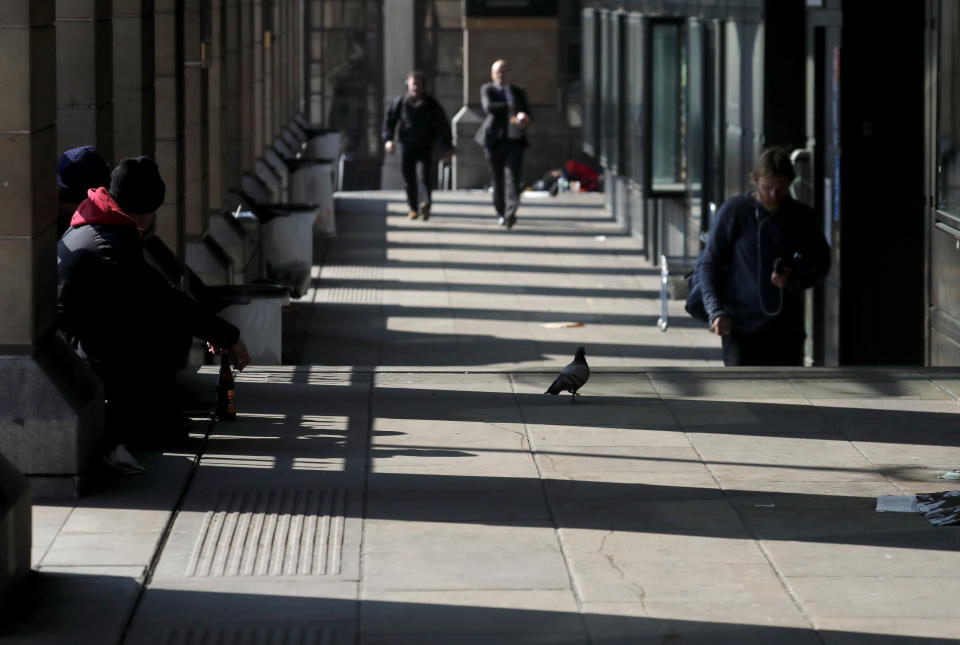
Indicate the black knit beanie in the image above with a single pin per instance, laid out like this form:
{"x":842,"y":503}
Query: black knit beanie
{"x":136,"y":185}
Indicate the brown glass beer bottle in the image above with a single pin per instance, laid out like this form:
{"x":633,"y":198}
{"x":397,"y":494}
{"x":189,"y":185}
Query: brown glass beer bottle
{"x":226,"y":391}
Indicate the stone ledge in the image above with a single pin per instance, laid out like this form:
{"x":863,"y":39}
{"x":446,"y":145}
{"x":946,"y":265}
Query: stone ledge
{"x":15,"y":530}
{"x":51,"y":416}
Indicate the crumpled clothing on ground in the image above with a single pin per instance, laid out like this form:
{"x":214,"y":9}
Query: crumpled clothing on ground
{"x":941,"y":508}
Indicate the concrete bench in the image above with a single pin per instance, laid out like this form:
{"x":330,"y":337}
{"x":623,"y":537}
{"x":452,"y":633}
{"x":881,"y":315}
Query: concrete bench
{"x":15,"y":531}
{"x":51,"y":418}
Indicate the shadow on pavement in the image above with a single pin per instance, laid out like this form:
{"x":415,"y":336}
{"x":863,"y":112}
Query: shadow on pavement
{"x":179,"y":616}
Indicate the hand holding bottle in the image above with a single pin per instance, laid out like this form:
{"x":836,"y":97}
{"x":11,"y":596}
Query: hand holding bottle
{"x":238,"y":354}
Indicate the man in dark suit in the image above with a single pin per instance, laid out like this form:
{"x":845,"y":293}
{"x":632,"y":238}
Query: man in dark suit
{"x":503,"y":137}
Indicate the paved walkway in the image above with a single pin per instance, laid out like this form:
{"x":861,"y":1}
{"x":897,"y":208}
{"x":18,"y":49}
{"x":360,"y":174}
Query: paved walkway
{"x":404,"y":480}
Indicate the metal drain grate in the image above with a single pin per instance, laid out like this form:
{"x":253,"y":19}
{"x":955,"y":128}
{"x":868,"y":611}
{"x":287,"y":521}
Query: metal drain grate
{"x":347,"y":294}
{"x":259,"y":635}
{"x":271,"y":533}
{"x":352,"y":272}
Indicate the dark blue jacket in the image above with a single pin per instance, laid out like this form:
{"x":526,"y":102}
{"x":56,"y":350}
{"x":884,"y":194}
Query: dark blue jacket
{"x":745,"y":240}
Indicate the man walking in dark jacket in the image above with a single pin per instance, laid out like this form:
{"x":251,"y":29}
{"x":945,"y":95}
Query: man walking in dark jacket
{"x":120,"y":314}
{"x":422,"y":121}
{"x":764,"y":249}
{"x":503,"y":137}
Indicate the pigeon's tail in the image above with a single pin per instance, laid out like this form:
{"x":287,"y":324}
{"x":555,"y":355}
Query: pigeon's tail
{"x":568,"y":382}
{"x":555,"y":387}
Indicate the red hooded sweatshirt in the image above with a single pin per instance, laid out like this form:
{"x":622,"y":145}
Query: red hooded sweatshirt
{"x":100,"y":208}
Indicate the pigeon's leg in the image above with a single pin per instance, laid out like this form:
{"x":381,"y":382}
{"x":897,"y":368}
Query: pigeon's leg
{"x":573,"y":396}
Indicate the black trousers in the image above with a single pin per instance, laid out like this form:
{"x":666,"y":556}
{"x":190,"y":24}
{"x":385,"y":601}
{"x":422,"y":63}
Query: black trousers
{"x":142,"y":399}
{"x":505,"y":160}
{"x":417,"y":167}
{"x":764,"y":348}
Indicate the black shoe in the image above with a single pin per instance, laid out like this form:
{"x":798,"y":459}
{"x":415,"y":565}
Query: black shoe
{"x":511,"y":221}
{"x":425,"y":211}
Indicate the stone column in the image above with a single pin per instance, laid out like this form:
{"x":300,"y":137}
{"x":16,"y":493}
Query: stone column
{"x":216,"y":105}
{"x":288,"y":61}
{"x":268,"y":70}
{"x":279,"y":46}
{"x":85,"y":75}
{"x":398,"y":59}
{"x":296,"y":57}
{"x":45,"y":433}
{"x":289,"y":54}
{"x":276,"y":56}
{"x":232,"y":134}
{"x":246,"y":84}
{"x":258,"y":73}
{"x":314,"y":76}
{"x":196,"y":123}
{"x":169,"y":41}
{"x":134,"y":114}
{"x":28,"y":171}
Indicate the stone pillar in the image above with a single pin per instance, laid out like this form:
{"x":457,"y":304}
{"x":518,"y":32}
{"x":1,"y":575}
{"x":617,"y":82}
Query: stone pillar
{"x":280,"y":37}
{"x":276,"y":56}
{"x":246,"y":85}
{"x":28,"y":171}
{"x":268,"y":70}
{"x":258,"y":73}
{"x":289,"y":61}
{"x":314,"y":76}
{"x":216,"y":105}
{"x":16,"y":532}
{"x":530,"y":47}
{"x":50,"y":416}
{"x":196,"y":123}
{"x":232,"y":134}
{"x":289,"y":31}
{"x":134,"y":114}
{"x":169,"y":41}
{"x":85,"y":75}
{"x":398,"y":59}
{"x":296,"y":56}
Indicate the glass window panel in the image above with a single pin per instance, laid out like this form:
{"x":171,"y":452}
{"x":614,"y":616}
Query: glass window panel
{"x":667,"y":106}
{"x":589,"y":82}
{"x":948,"y":120}
{"x":606,"y":87}
{"x":444,"y":14}
{"x":635,"y":94}
{"x":573,"y":12}
{"x":344,"y":13}
{"x":346,"y":66}
{"x":695,"y":109}
{"x":440,"y":52}
{"x":573,"y":54}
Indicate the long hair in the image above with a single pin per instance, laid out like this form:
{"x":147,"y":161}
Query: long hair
{"x":774,"y":162}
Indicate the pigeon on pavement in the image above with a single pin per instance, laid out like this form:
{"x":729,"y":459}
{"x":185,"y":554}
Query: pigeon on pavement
{"x":572,"y":377}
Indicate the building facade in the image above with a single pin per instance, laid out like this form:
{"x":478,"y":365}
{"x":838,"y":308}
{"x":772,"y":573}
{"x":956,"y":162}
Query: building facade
{"x":681,"y":97}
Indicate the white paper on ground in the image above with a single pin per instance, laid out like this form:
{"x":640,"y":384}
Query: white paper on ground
{"x":897,"y":504}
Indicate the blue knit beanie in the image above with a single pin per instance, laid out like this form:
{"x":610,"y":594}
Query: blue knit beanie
{"x":78,"y":170}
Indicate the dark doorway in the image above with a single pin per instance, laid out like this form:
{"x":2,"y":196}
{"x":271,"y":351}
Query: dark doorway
{"x":882,"y":187}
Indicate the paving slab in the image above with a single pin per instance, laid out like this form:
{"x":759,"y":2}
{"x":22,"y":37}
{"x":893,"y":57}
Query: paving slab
{"x":757,"y":623}
{"x":82,"y":605}
{"x":525,"y":616}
